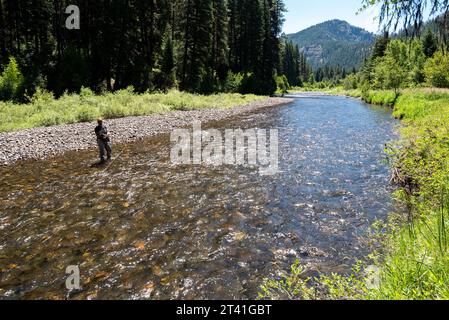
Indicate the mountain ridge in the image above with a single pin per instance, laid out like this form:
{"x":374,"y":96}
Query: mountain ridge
{"x":334,"y":42}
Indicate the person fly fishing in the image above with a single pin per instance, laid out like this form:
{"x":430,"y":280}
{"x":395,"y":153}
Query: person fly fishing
{"x":104,"y":141}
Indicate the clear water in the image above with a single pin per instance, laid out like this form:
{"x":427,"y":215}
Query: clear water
{"x":148,"y":229}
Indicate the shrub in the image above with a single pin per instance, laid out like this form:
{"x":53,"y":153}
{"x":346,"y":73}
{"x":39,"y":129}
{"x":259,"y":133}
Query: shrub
{"x":11,"y":81}
{"x":401,"y":66}
{"x":47,"y":119}
{"x":234,"y":82}
{"x":87,"y":113}
{"x":114,"y":111}
{"x":436,"y":70}
{"x":282,"y":84}
{"x":351,"y":82}
{"x":86,"y":92}
{"x":41,"y":95}
{"x":44,"y":110}
{"x":389,"y":74}
{"x":386,"y":98}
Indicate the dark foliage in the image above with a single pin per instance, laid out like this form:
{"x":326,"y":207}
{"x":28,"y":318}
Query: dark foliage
{"x":150,"y":45}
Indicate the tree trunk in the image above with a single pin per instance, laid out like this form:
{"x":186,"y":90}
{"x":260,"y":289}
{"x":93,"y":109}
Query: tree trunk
{"x":2,"y":34}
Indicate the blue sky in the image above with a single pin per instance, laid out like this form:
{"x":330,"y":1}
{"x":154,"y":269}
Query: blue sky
{"x":305,"y":13}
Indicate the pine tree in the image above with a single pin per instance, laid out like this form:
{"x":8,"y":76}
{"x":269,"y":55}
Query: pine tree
{"x":124,"y":42}
{"x":197,"y":43}
{"x":272,"y":23}
{"x":220,"y":39}
{"x":2,"y":35}
{"x":380,"y":46}
{"x":168,"y":63}
{"x":429,"y":43}
{"x":291,"y":63}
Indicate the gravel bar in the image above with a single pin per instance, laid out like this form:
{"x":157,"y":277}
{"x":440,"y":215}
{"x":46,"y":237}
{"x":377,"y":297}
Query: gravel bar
{"x":41,"y":143}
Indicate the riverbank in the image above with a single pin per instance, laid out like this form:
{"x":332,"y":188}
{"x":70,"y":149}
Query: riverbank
{"x":383,"y":97}
{"x":336,"y":91}
{"x":412,"y":262}
{"x":43,"y":110}
{"x":416,"y":262}
{"x":165,"y":115}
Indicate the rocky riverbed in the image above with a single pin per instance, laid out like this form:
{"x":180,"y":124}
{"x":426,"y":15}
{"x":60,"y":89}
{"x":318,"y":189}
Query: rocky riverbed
{"x":39,"y":143}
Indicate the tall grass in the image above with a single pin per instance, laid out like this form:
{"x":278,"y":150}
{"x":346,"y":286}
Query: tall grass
{"x":417,"y":265}
{"x":385,"y":98}
{"x":416,"y":105}
{"x":44,"y":110}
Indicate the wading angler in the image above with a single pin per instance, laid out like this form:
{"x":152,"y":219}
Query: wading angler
{"x":239,"y":147}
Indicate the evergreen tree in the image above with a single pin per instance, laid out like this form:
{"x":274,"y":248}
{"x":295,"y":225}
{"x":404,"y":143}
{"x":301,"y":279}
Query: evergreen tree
{"x":220,"y":39}
{"x":272,"y":22}
{"x":2,"y":34}
{"x":380,"y":46}
{"x":124,"y":42}
{"x":197,"y":43}
{"x":168,"y":63}
{"x":429,"y":43}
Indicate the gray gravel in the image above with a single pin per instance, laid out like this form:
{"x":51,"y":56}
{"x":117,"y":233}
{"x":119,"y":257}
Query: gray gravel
{"x":40,"y":143}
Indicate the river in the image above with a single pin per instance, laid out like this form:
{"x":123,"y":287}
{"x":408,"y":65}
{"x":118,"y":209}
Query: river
{"x":147,"y":229}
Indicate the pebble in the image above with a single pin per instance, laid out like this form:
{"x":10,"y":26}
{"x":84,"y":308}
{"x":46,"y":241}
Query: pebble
{"x":41,"y":143}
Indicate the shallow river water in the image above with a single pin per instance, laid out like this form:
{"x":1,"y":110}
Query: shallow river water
{"x":148,"y":229}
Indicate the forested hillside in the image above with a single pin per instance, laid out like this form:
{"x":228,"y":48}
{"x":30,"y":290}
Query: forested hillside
{"x":196,"y":45}
{"x":334,"y":43}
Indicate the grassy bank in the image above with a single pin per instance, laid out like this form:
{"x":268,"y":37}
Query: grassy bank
{"x":338,"y":91}
{"x":44,"y":110}
{"x":412,"y":261}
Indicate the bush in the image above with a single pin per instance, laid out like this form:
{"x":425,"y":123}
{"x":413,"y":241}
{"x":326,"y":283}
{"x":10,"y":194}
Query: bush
{"x":351,"y":82}
{"x":389,"y":74}
{"x":249,"y":83}
{"x":402,"y":66}
{"x":44,"y":110}
{"x":436,"y":70}
{"x":86,"y":92}
{"x":47,"y":119}
{"x":282,"y":84}
{"x":41,"y":95}
{"x":87,"y":114}
{"x":234,"y":82}
{"x":417,"y":104}
{"x":385,"y":98}
{"x":11,"y":81}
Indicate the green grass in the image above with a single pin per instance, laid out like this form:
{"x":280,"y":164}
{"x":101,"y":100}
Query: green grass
{"x":412,"y":261}
{"x":419,"y":105}
{"x":385,"y":98}
{"x":43,"y":110}
{"x":417,"y":265}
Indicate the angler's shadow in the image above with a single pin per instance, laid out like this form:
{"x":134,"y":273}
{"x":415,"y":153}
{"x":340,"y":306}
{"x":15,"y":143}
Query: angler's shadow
{"x":99,"y":165}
